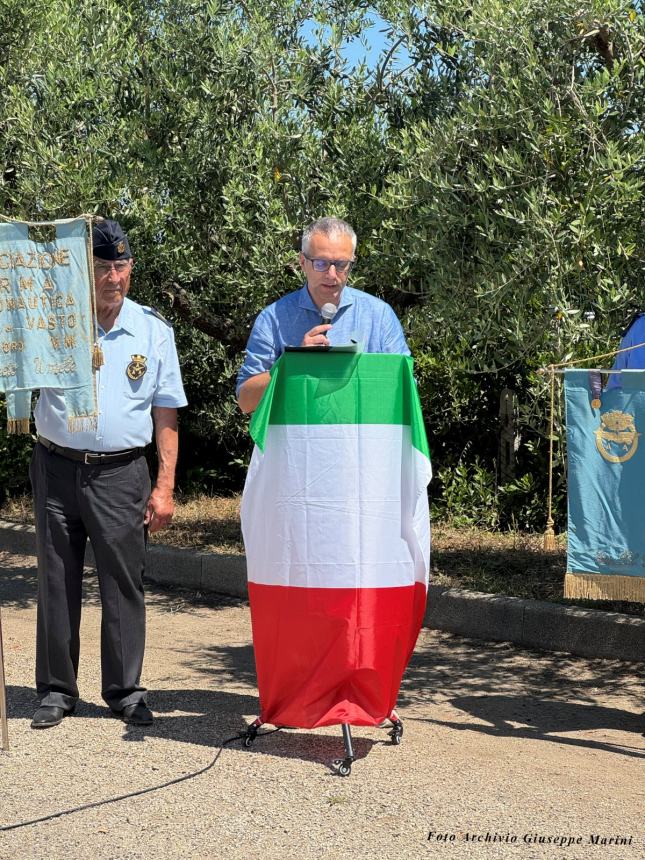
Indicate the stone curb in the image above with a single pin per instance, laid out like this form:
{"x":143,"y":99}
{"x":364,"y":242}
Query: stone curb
{"x":529,"y":623}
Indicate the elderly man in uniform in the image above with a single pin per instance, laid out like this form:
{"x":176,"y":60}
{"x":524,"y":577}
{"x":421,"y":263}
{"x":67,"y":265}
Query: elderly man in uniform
{"x":96,"y":484}
{"x":327,"y":256}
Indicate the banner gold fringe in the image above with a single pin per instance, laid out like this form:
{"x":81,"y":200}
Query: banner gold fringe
{"x":82,"y":423}
{"x":17,"y":425}
{"x":597,"y":586}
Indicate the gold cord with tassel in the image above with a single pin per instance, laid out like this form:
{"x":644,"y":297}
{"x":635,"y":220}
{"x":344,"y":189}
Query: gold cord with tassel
{"x":97,"y":357}
{"x":97,"y":353}
{"x":549,"y":534}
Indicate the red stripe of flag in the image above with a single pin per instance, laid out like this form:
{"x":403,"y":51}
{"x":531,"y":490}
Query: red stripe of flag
{"x":332,"y":655}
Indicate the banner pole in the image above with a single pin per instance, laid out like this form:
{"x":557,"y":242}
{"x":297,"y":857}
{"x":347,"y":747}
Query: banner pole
{"x":3,"y":696}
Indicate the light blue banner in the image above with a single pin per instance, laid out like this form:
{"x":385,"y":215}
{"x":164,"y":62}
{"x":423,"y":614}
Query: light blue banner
{"x":606,"y":453}
{"x":46,"y":321}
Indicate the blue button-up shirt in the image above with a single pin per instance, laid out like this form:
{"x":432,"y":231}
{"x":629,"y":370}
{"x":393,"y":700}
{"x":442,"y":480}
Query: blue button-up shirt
{"x":125,"y":419}
{"x":360,"y":317}
{"x":633,"y":360}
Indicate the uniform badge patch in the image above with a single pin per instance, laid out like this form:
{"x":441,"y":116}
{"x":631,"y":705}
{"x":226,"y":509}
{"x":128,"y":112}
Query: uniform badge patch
{"x":137,"y":367}
{"x":121,"y":247}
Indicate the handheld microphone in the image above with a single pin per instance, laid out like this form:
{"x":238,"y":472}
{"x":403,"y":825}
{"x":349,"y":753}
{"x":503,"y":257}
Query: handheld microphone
{"x":328,"y":312}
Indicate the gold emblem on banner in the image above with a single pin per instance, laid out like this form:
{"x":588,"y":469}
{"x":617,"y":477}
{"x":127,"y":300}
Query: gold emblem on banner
{"x":616,"y":438}
{"x":137,"y":367}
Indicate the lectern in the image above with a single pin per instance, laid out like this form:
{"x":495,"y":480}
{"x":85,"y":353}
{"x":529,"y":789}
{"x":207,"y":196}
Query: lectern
{"x":336,"y":529}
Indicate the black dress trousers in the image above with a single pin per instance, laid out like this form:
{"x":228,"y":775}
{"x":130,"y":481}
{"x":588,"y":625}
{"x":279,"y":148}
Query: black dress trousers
{"x":106,"y":503}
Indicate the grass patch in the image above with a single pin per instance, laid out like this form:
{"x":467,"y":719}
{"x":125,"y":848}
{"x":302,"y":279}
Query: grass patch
{"x":204,"y":522}
{"x":509,"y":563}
{"x":512,"y":563}
{"x":208,"y":522}
{"x":17,"y":510}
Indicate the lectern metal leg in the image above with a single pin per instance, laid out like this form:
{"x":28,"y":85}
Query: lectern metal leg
{"x":343,"y":766}
{"x":347,"y":739}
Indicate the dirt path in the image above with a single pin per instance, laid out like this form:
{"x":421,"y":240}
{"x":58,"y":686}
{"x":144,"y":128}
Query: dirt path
{"x":499,"y":744}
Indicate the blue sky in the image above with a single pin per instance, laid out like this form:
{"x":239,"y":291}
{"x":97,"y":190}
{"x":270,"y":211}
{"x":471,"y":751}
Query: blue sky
{"x":370,"y":47}
{"x":356,"y":50}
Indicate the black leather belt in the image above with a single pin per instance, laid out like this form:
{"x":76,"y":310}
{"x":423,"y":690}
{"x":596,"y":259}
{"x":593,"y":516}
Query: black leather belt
{"x":91,"y":458}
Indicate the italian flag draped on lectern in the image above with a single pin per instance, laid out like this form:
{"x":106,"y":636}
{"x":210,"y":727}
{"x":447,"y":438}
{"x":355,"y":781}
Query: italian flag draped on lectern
{"x":337,"y":535}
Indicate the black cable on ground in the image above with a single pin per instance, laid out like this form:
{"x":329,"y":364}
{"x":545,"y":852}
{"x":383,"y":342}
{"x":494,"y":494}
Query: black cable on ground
{"x":141,"y":791}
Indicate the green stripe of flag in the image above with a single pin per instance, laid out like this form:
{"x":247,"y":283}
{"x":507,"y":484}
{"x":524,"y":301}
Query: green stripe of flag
{"x":341,"y":388}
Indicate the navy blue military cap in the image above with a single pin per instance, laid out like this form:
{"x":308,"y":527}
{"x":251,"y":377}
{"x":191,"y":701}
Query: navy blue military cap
{"x":109,"y":242}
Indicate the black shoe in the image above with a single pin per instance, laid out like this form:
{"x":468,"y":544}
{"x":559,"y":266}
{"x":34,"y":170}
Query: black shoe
{"x":137,"y":714}
{"x":47,"y":716}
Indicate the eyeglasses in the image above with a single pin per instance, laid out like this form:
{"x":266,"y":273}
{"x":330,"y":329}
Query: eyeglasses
{"x":119,"y":266}
{"x":320,"y":265}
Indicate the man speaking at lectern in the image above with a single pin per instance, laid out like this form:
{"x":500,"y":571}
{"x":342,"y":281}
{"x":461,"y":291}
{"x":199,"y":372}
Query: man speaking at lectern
{"x":326,"y":258}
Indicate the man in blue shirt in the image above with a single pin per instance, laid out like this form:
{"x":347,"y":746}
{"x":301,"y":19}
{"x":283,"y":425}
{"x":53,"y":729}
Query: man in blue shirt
{"x":634,"y":359}
{"x":96,"y":484}
{"x":326,"y":258}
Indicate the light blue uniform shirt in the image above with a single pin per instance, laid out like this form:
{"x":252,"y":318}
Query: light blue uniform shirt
{"x":633,"y":360}
{"x":360,"y":317}
{"x":125,"y":418}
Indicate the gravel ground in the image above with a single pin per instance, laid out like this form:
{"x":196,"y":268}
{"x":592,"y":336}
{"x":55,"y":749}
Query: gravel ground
{"x":499,"y":744}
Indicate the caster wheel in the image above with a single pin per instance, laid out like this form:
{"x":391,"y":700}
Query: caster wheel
{"x":250,"y":735}
{"x":342,"y":767}
{"x":396,"y":735}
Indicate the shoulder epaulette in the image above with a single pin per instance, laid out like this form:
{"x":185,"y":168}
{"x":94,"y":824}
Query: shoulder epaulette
{"x":631,"y":322}
{"x":155,"y":313}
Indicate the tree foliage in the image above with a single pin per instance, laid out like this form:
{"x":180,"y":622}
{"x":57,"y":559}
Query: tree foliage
{"x":491,"y":162}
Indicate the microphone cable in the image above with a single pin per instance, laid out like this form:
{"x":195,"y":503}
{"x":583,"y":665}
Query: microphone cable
{"x":138,"y":793}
